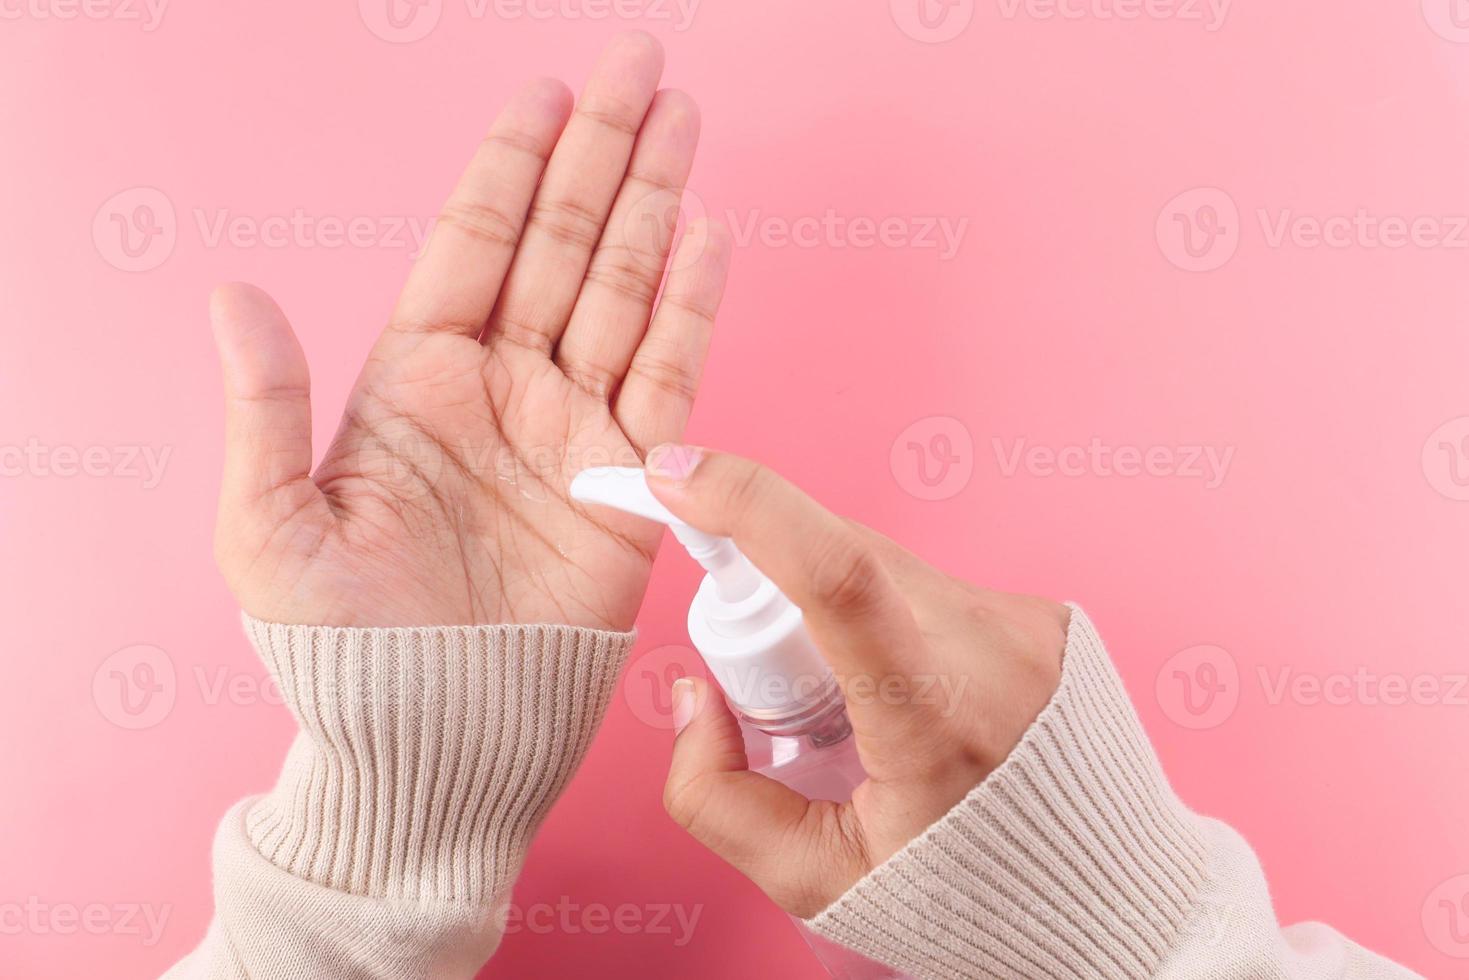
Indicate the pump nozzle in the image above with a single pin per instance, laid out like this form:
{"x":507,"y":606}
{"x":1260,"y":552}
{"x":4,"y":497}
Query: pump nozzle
{"x":626,"y":489}
{"x":751,"y":636}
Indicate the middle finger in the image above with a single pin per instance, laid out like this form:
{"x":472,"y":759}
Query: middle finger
{"x":575,"y":197}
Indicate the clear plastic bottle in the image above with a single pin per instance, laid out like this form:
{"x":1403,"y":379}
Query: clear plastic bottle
{"x":815,"y":755}
{"x":754,"y":641}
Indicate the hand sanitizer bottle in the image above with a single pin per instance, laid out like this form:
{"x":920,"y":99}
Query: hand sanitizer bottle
{"x":754,"y":642}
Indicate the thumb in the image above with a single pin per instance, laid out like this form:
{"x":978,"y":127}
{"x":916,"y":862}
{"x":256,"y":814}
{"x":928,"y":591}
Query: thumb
{"x":793,"y":848}
{"x":267,"y":388}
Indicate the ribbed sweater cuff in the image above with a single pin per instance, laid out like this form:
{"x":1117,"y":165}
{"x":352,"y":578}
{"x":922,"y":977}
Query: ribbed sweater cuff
{"x":427,"y":757}
{"x":1073,"y":859}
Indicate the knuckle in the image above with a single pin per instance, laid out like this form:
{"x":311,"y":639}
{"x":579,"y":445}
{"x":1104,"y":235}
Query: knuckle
{"x":748,"y":490}
{"x":595,"y":379}
{"x":626,"y":272}
{"x":611,"y":113}
{"x":691,"y":308}
{"x":831,"y":854}
{"x":519,"y":142}
{"x":569,"y":223}
{"x":432,"y":325}
{"x":844,"y":574}
{"x":978,"y":616}
{"x":664,"y":374}
{"x":509,"y":327}
{"x":482,"y":222}
{"x":684,"y":801}
{"x":653,"y":183}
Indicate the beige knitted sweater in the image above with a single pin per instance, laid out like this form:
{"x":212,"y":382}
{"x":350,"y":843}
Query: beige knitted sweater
{"x":428,"y":758}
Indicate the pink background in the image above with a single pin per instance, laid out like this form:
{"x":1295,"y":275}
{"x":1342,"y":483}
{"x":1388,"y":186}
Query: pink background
{"x":1335,"y":544}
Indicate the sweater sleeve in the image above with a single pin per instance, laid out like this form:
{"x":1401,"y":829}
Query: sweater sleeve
{"x":1074,"y":859}
{"x":427,"y":759}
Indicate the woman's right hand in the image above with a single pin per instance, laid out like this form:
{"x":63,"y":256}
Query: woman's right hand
{"x":942,"y":679}
{"x":536,"y":335}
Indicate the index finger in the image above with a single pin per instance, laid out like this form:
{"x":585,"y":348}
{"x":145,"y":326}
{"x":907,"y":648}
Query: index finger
{"x":860,"y":620}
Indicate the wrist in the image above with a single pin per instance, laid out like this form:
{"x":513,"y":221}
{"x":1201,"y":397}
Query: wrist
{"x":1076,"y":834}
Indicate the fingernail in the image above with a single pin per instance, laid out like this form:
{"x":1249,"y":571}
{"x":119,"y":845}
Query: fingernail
{"x":673,"y":462}
{"x":683,"y":704}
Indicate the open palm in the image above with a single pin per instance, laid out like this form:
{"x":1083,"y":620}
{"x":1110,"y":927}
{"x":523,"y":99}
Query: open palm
{"x":525,"y":347}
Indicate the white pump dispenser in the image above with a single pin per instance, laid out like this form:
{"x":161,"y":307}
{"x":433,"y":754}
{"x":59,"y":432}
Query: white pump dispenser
{"x":754,"y":641}
{"x":752,"y":638}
